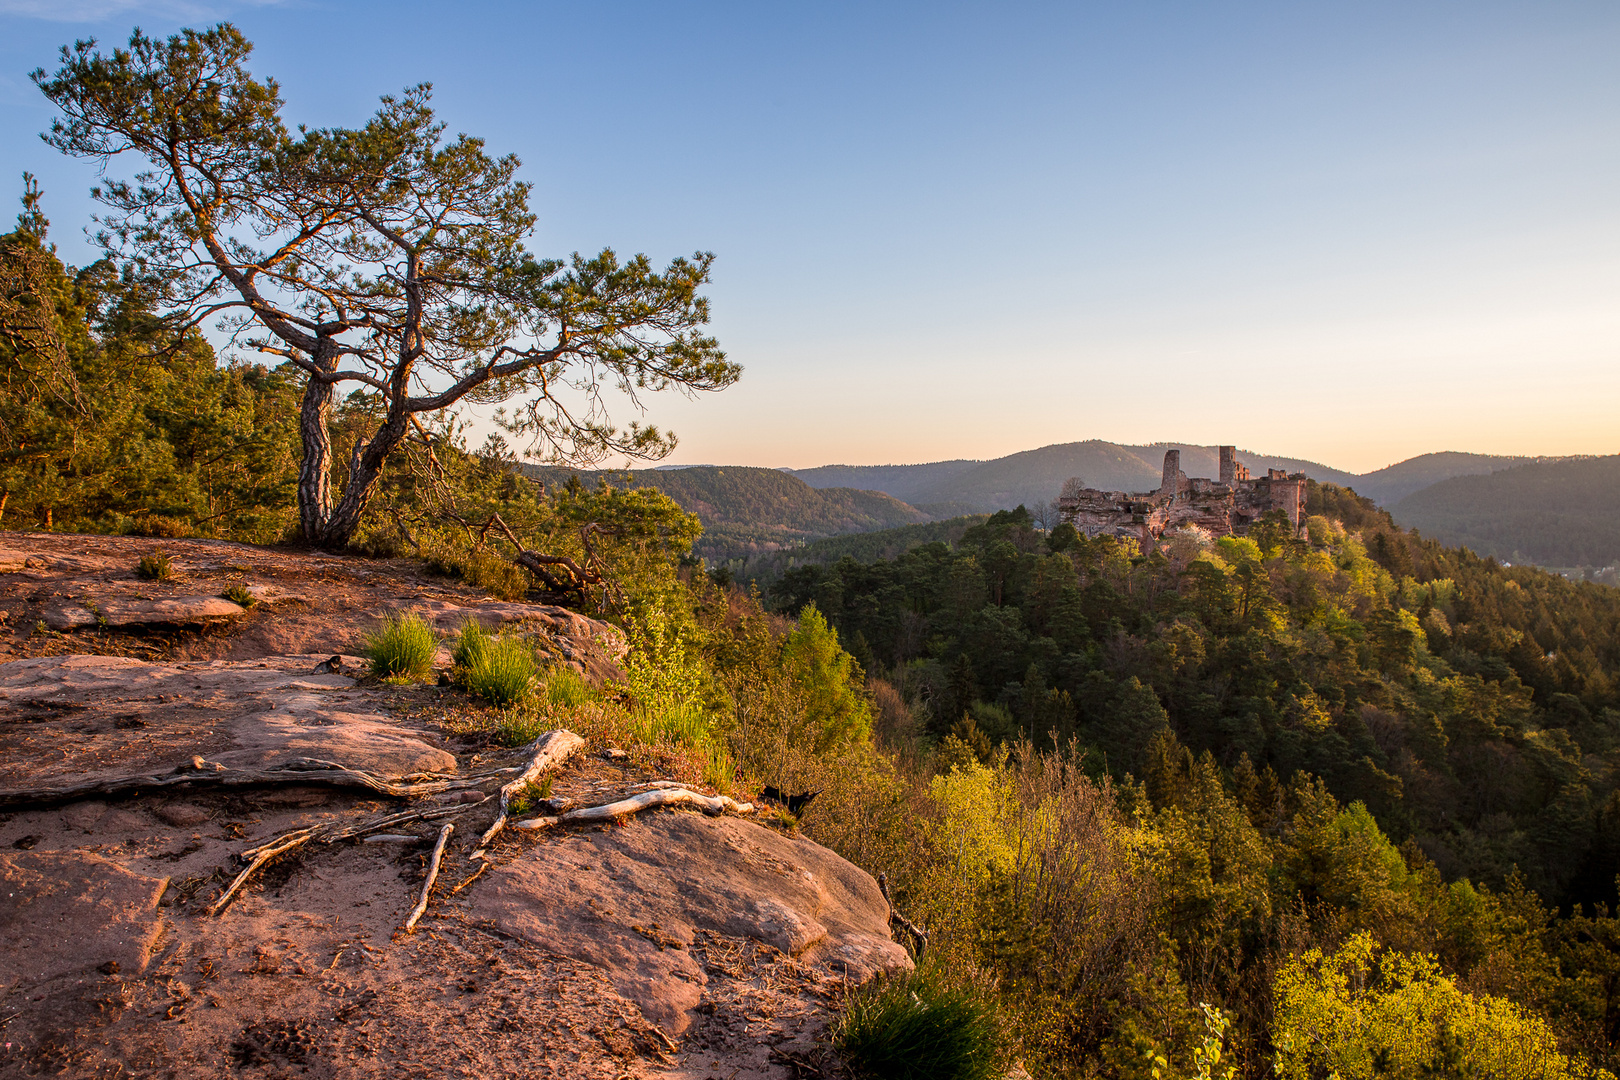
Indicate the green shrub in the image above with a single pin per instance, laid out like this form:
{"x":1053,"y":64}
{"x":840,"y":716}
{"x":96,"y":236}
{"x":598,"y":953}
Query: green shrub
{"x":159,"y":525}
{"x":237,"y":594}
{"x":915,"y":1027}
{"x":156,"y":566}
{"x":502,"y":672}
{"x":403,"y":648}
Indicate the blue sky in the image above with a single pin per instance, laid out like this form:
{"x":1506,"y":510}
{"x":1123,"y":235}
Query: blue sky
{"x":1347,"y":232}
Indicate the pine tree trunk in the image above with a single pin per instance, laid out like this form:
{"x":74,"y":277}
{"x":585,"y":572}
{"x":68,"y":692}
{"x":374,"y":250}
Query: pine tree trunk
{"x":315,"y":468}
{"x":364,"y":469}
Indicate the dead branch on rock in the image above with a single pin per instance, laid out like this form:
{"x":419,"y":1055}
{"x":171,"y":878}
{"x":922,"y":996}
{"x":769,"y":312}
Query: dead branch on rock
{"x":549,"y":751}
{"x":469,"y":879}
{"x":391,"y":820}
{"x":262,"y":855}
{"x":328,"y":834}
{"x":919,"y":936}
{"x":563,"y":579}
{"x":432,"y":876}
{"x":647,"y":800}
{"x":200,"y":773}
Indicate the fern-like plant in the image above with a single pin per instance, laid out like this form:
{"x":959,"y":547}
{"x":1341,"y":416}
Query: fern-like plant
{"x":236,"y":594}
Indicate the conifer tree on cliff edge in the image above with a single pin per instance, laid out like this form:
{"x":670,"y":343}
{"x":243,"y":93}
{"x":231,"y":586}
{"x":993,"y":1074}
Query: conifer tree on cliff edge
{"x":386,"y":259}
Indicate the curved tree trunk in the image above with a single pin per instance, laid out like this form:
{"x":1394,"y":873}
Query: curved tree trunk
{"x":365,"y":466}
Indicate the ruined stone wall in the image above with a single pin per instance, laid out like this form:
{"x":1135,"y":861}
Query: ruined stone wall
{"x":1223,"y":508}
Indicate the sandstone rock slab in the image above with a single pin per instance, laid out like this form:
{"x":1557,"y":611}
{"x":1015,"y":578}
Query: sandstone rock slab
{"x":632,"y":900}
{"x":174,"y":611}
{"x":68,"y":913}
{"x":15,"y":562}
{"x":84,"y":717}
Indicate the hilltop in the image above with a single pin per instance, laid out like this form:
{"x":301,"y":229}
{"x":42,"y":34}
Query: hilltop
{"x":1031,"y":477}
{"x":750,"y":511}
{"x":1554,"y":513}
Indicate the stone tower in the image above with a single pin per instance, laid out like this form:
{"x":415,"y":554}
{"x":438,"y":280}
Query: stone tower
{"x":1171,"y":483}
{"x":1228,"y":465}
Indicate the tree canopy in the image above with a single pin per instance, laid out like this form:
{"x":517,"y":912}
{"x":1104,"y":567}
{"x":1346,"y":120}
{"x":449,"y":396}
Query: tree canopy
{"x":387,"y":259}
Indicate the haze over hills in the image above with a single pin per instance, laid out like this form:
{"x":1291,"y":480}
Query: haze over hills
{"x":1391,"y":484}
{"x":1034,"y":476}
{"x":1554,"y":513}
{"x":1517,"y":508}
{"x":748,"y":511}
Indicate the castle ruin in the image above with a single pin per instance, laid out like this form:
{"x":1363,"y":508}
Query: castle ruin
{"x":1223,"y":507}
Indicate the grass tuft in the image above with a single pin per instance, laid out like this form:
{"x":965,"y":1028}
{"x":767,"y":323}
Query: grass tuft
{"x":472,"y":644}
{"x":402,"y":649}
{"x":528,"y":797}
{"x":519,"y":727}
{"x":501,"y":671}
{"x":916,"y":1027}
{"x":687,"y":727}
{"x":566,"y":688}
{"x":156,"y":566}
{"x":237,"y":594}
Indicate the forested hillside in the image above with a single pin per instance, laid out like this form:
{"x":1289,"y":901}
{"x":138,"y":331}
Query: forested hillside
{"x":1467,"y":705}
{"x":1558,"y":513}
{"x":864,"y":547}
{"x":109,"y":423}
{"x":747,"y":512}
{"x":1358,"y":732}
{"x":1344,"y":803}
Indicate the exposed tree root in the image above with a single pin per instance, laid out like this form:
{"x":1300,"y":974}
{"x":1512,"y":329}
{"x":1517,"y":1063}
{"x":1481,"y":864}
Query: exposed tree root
{"x":670,"y":796}
{"x":202,"y":773}
{"x":432,"y":876}
{"x":919,"y":936}
{"x":470,"y":878}
{"x":262,"y":855}
{"x":327,"y":834}
{"x":549,"y":751}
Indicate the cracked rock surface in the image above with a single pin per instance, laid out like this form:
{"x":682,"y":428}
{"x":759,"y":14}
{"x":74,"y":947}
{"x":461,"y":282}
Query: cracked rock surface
{"x":669,"y":945}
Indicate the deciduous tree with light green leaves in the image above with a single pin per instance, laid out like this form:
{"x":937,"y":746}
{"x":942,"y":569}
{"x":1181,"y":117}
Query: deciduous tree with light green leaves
{"x":1360,"y":1012}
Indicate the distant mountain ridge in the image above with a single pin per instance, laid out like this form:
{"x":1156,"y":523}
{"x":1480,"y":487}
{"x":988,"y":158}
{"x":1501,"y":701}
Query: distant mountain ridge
{"x":1391,"y":484}
{"x":748,"y":511}
{"x":1031,"y":476}
{"x":1485,"y":501}
{"x":1563,"y":513}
